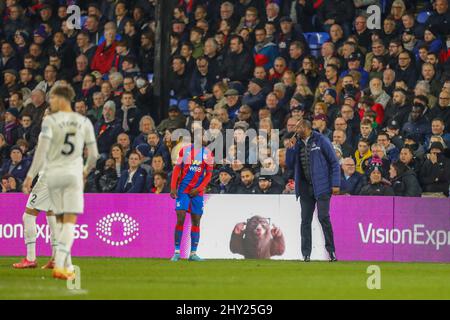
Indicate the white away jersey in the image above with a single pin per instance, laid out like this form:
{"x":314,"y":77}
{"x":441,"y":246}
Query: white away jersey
{"x":68,"y":133}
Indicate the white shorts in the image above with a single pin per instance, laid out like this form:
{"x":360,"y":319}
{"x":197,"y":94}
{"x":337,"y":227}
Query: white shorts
{"x":66,"y":191}
{"x":39,"y":198}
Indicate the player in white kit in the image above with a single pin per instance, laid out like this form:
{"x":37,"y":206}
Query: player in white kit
{"x":38,"y":201}
{"x":64,"y":135}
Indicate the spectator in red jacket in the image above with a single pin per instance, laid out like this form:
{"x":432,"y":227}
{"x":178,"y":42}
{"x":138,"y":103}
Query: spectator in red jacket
{"x":367,"y":103}
{"x":105,"y":53}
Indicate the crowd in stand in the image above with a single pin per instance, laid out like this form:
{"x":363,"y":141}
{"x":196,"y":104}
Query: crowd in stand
{"x":381,"y":96}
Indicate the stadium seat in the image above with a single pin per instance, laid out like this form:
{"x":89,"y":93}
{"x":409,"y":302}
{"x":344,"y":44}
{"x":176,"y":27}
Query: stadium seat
{"x":423,"y":16}
{"x":183,"y":104}
{"x":316,"y":40}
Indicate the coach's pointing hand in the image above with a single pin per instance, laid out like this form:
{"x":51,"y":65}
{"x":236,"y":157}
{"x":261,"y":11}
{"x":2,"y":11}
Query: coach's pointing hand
{"x":27,"y":185}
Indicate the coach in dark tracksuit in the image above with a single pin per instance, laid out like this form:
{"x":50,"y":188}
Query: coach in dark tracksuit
{"x":317,"y":177}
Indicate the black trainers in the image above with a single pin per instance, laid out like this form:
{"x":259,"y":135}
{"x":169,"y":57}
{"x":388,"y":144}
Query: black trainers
{"x":306,"y":259}
{"x":332,"y":257}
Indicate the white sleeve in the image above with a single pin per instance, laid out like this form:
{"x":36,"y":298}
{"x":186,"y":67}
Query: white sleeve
{"x":91,"y":145}
{"x":46,"y":128}
{"x":39,"y":156}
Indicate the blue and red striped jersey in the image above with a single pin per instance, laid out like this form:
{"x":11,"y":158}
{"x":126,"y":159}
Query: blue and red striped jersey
{"x":194,"y":165}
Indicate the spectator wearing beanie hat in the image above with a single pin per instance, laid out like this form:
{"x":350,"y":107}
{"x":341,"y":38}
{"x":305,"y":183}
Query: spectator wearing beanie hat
{"x":254,"y":97}
{"x":11,"y":128}
{"x":224,"y":183}
{"x":17,"y":166}
{"x":375,"y":186}
{"x":320,"y":124}
{"x":266,"y":185}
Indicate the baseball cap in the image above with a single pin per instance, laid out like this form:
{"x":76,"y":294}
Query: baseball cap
{"x":231,"y":92}
{"x":258,"y":82}
{"x":330,"y":92}
{"x":264,"y":177}
{"x":173,"y":108}
{"x":226,"y":169}
{"x":40,"y":31}
{"x":285,"y":19}
{"x":393,"y":124}
{"x":197,"y":100}
{"x":298,"y":97}
{"x":320,"y":117}
{"x":355,"y":56}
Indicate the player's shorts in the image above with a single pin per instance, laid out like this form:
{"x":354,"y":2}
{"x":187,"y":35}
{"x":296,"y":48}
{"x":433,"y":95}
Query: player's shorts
{"x":192,"y":205}
{"x":39,"y":198}
{"x":66,"y":191}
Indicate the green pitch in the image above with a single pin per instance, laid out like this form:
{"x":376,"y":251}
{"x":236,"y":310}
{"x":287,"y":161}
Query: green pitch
{"x":103,"y":278}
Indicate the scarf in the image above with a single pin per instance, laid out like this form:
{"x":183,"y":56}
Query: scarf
{"x":125,"y":110}
{"x":261,"y":45}
{"x":9,"y":127}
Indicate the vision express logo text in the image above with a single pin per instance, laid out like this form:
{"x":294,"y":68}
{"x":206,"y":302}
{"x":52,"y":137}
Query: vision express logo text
{"x":418,"y":235}
{"x":15,"y":231}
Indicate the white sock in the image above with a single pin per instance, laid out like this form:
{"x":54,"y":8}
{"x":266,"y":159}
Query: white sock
{"x":51,"y":221}
{"x":30,"y":234}
{"x":65,"y":242}
{"x":59,"y":226}
{"x":68,"y":263}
